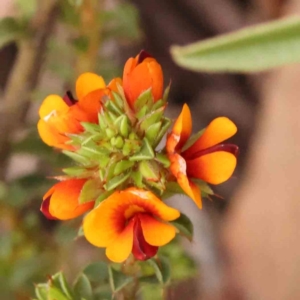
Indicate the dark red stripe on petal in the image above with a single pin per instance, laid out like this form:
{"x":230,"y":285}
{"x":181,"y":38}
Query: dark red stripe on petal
{"x":141,"y":249}
{"x":69,"y":99}
{"x":231,"y":148}
{"x":45,"y":209}
{"x":142,"y":56}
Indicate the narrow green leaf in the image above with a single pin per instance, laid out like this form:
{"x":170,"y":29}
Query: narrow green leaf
{"x":118,"y":99}
{"x":185,"y":226}
{"x":116,"y":181}
{"x":77,"y":157}
{"x":145,"y":99}
{"x":163,"y":159}
{"x":149,"y":170}
{"x":97,"y":271}
{"x":102,"y":197}
{"x":113,"y":107}
{"x":253,"y":49}
{"x":192,"y":140}
{"x":137,"y":179}
{"x":57,"y":294}
{"x":41,"y":291}
{"x":76,"y":171}
{"x":59,"y":281}
{"x":164,"y":128}
{"x":122,"y":166}
{"x":152,"y":132}
{"x":151,"y":118}
{"x":82,"y":288}
{"x":118,"y":280}
{"x":146,"y":152}
{"x":90,"y":127}
{"x":153,"y":263}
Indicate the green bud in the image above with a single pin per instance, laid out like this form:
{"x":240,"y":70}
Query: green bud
{"x":119,"y":142}
{"x":133,"y":136}
{"x":110,"y":132}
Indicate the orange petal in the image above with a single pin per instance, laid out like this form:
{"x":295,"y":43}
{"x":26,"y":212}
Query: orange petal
{"x":64,"y":200}
{"x":51,"y":136}
{"x":156,"y":233}
{"x":91,"y":104}
{"x":215,"y":167}
{"x":102,"y":225}
{"x":52,"y":105}
{"x":121,"y":247}
{"x":138,"y":78}
{"x":181,"y":130}
{"x":178,"y":168}
{"x":219,"y":130}
{"x":113,"y":84}
{"x":88,"y":82}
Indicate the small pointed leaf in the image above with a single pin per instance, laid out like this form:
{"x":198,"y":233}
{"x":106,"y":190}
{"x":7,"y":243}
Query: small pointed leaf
{"x":90,"y":191}
{"x":82,"y":288}
{"x":185,"y":226}
{"x":118,"y":280}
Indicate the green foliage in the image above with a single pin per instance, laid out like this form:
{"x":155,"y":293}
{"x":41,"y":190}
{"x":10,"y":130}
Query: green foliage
{"x":185,"y":226}
{"x":253,"y":49}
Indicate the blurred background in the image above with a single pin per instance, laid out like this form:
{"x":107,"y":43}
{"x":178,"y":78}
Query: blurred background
{"x":44,"y":46}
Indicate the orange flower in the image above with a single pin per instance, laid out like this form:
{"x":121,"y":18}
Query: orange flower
{"x":205,"y":159}
{"x":128,"y":221}
{"x":59,"y":116}
{"x":140,"y":74}
{"x":61,"y":201}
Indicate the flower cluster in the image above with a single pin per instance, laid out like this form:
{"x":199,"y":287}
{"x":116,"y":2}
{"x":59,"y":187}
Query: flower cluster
{"x":119,"y":176}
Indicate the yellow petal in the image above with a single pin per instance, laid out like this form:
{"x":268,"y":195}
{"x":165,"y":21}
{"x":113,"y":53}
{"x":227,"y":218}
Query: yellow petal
{"x":121,"y":247}
{"x":219,"y":130}
{"x":88,"y":82}
{"x":51,"y":136}
{"x":51,"y":105}
{"x":156,"y":233}
{"x":215,"y":167}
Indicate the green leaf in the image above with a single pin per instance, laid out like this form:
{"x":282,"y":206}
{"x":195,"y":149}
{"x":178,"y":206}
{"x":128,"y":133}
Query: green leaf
{"x":118,"y":280}
{"x":151,"y":118}
{"x":163,"y":159}
{"x":161,"y":269}
{"x":76,"y":172}
{"x":149,"y":170}
{"x":58,"y":280}
{"x":56,"y":294}
{"x":165,"y":126}
{"x":253,"y":49}
{"x":90,"y":191}
{"x":185,"y":226}
{"x":77,"y":157}
{"x":146,"y":152}
{"x":192,"y":140}
{"x":116,"y":181}
{"x":82,"y":288}
{"x":122,"y":166}
{"x":152,"y":132}
{"x":97,"y":271}
{"x":145,"y":99}
{"x":102,"y":197}
{"x":137,"y":179}
{"x":10,"y":30}
{"x":41,"y":291}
